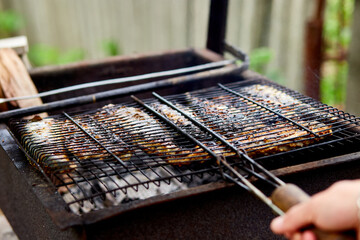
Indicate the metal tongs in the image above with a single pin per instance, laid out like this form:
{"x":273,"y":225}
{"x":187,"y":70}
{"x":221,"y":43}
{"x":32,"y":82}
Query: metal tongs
{"x":282,"y":198}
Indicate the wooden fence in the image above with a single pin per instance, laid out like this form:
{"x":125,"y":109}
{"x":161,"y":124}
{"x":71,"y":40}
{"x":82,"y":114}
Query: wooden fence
{"x":140,"y":26}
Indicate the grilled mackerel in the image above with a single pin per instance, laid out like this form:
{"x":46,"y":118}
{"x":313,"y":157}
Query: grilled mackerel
{"x":148,"y":134}
{"x":59,"y":145}
{"x":42,"y":136}
{"x":193,"y":130}
{"x":243,"y":124}
{"x":79,"y":143}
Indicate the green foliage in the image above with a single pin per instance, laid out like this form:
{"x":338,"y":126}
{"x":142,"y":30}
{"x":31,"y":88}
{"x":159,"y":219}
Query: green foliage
{"x":333,"y":90}
{"x":276,"y":76}
{"x":338,"y":15}
{"x":10,"y":23}
{"x":111,"y":48}
{"x":337,"y":35}
{"x":41,"y":55}
{"x":259,"y":60}
{"x":72,"y":55}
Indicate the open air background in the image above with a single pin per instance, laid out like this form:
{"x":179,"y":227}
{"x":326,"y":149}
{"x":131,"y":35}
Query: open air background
{"x":271,"y":31}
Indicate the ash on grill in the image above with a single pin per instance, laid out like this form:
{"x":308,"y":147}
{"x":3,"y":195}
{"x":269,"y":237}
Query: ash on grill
{"x":124,"y":152}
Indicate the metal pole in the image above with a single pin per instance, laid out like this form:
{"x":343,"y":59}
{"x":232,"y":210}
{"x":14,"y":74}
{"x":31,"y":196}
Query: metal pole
{"x":217,"y":26}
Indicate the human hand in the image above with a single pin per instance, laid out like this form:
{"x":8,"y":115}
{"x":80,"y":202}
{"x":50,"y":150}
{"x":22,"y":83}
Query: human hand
{"x":333,"y":209}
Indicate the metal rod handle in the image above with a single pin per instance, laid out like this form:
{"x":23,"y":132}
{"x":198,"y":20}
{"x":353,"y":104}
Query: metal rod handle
{"x":289,"y":195}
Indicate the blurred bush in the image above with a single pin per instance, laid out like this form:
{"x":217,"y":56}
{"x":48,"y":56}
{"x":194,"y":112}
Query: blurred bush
{"x":10,"y":23}
{"x":259,"y":60}
{"x":337,"y":36}
{"x":41,"y":54}
{"x":111,"y":48}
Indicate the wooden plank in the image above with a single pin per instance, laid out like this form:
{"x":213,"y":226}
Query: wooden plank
{"x":178,"y":27}
{"x":288,"y":20}
{"x":235,"y":25}
{"x":300,"y":12}
{"x":249,"y":22}
{"x":15,"y":80}
{"x":19,"y":44}
{"x":250,"y":18}
{"x":278,"y":38}
{"x":199,"y":22}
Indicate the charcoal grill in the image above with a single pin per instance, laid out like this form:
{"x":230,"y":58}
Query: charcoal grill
{"x":200,"y":205}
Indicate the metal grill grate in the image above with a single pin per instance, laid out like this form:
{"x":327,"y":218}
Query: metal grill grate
{"x":137,"y":150}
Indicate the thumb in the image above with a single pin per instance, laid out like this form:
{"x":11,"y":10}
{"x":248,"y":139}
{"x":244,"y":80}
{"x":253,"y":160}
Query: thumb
{"x":296,"y":218}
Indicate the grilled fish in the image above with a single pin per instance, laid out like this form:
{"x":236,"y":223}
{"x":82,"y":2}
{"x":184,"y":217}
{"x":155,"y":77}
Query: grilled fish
{"x":83,"y":147}
{"x":255,"y":129}
{"x":145,"y":132}
{"x":180,"y":120}
{"x":42,"y":139}
{"x":59,"y":144}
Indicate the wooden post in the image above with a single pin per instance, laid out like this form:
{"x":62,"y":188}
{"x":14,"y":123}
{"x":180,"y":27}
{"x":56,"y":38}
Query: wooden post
{"x":314,"y":52}
{"x":353,"y":84}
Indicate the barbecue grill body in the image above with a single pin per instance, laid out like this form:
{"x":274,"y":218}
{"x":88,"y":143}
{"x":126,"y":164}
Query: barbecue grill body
{"x":213,"y":211}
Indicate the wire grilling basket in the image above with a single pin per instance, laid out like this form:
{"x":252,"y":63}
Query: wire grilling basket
{"x":102,"y":157}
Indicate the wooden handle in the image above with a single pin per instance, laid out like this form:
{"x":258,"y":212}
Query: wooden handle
{"x":289,"y":195}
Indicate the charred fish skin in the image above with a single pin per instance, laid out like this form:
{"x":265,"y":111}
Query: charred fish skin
{"x":180,"y":120}
{"x":125,"y":129}
{"x":278,"y":129}
{"x":216,"y":115}
{"x":152,"y":137}
{"x":250,"y":130}
{"x":81,"y":145}
{"x":59,"y":146}
{"x":288,"y":105}
{"x":205,"y":137}
{"x":41,"y":136}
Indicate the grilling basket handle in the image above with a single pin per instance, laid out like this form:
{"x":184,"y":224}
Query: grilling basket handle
{"x":289,"y":195}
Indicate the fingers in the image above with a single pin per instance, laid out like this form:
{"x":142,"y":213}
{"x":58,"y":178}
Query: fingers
{"x":277,"y":226}
{"x":332,"y":209}
{"x":296,"y":218}
{"x":308,"y":235}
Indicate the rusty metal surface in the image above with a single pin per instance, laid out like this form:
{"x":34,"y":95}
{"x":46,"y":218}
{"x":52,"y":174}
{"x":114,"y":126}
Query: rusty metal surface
{"x":54,"y":77}
{"x":229,"y":213}
{"x":213,"y":211}
{"x":217,"y":25}
{"x":317,"y":164}
{"x":25,"y":194}
{"x":55,"y":206}
{"x":179,"y":82}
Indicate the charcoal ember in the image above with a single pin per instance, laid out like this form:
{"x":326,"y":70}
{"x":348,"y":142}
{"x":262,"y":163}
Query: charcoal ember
{"x":87,"y":196}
